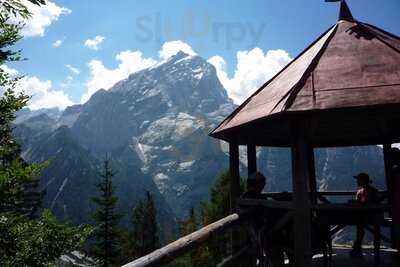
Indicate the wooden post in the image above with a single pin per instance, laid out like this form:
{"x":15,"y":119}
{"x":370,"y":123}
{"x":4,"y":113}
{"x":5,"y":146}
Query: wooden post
{"x":251,"y":159}
{"x":313,"y":180}
{"x":388,"y":166}
{"x":234,"y":187}
{"x":234,"y":174}
{"x":301,"y":201}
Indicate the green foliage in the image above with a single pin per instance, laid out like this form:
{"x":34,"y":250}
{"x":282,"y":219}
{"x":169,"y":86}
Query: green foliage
{"x":215,"y":209}
{"x":16,"y":8}
{"x":36,"y":242}
{"x":199,"y":257}
{"x":189,"y":225}
{"x":145,"y":230}
{"x":23,"y":241}
{"x":214,"y":251}
{"x":106,"y":245}
{"x":9,"y":32}
{"x":16,"y":176}
{"x":219,"y":205}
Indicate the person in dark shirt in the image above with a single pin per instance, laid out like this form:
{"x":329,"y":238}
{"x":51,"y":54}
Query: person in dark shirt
{"x":366,"y":194}
{"x":255,"y":185}
{"x":268,"y":248}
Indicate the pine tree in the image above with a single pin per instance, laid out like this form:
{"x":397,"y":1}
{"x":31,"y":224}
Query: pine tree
{"x":145,"y":229}
{"x":189,"y":225}
{"x":215,"y":209}
{"x":24,"y":241}
{"x":18,"y":179}
{"x":106,"y":244}
{"x":199,"y":257}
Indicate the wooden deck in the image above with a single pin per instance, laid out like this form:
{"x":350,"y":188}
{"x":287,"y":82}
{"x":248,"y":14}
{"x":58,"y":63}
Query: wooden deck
{"x":342,"y":258}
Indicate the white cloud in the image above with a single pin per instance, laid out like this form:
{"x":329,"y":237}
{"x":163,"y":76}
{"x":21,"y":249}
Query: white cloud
{"x":171,"y":48}
{"x":43,"y":95}
{"x":42,"y":17}
{"x":10,"y":71}
{"x":94,"y":44}
{"x":57,"y":43}
{"x":67,"y":83}
{"x":130,"y":61}
{"x":73,"y":69}
{"x":253,"y":69}
{"x":103,"y":78}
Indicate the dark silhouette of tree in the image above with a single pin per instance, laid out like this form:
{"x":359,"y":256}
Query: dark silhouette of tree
{"x":145,"y":229}
{"x":106,"y":235}
{"x":215,"y":209}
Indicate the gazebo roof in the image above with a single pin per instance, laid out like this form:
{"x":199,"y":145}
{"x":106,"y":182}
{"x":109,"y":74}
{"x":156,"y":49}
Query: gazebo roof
{"x":352,"y":67}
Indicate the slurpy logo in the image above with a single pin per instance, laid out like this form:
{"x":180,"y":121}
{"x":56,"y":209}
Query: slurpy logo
{"x":197,"y":27}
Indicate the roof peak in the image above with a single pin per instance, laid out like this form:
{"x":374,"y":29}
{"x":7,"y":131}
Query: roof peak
{"x":345,"y":13}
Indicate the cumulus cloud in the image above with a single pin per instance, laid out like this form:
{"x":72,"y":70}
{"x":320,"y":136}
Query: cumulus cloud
{"x":43,"y":95}
{"x":41,"y":92}
{"x":42,"y":17}
{"x":171,"y":48}
{"x":94,"y":43}
{"x":253,"y":69}
{"x":10,"y":71}
{"x":72,"y":69}
{"x":102,"y":77}
{"x":57,"y":43}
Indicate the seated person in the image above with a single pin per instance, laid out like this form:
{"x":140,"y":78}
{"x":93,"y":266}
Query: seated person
{"x":270,"y":246}
{"x":366,"y":194}
{"x":255,"y":185}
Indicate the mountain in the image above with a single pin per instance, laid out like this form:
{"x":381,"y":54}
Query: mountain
{"x":154,"y":126}
{"x":162,"y":116}
{"x":26,"y":113}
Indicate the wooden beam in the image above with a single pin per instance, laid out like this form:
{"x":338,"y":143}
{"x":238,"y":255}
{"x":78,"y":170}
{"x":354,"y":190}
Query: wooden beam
{"x":301,"y":200}
{"x":179,"y":247}
{"x":388,"y":165}
{"x":234,"y":174}
{"x":251,"y":159}
{"x":313,"y":180}
{"x":271,"y":204}
{"x":235,"y":191}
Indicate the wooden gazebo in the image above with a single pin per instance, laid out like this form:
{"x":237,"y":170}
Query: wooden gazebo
{"x":343,"y":90}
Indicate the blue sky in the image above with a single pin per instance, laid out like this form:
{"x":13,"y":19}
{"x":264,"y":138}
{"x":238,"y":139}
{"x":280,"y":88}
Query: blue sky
{"x":211,"y":28}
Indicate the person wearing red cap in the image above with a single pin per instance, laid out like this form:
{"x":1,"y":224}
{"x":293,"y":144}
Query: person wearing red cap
{"x":366,"y":194}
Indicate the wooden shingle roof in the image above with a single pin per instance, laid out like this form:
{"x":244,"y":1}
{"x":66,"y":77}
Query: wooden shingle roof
{"x":351,"y":65}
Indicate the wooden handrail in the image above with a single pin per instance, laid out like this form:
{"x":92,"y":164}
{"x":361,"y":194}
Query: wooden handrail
{"x":322,"y":193}
{"x":179,"y":247}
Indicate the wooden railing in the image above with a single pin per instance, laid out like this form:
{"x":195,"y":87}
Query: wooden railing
{"x":183,"y":245}
{"x":179,"y":247}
